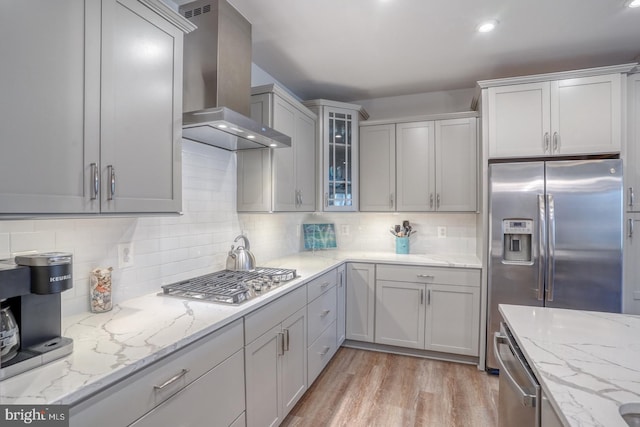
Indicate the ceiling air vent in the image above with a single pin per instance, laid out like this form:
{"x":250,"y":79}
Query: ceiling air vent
{"x":206,"y":8}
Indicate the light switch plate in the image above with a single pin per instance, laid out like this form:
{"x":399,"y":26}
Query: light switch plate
{"x":125,"y":255}
{"x":442,"y":232}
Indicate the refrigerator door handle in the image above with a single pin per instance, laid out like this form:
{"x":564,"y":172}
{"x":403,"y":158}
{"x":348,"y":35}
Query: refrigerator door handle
{"x":542,"y":244}
{"x":551,"y":262}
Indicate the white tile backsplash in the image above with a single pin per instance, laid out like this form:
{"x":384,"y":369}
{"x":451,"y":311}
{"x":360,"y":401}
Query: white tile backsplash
{"x":176,"y":247}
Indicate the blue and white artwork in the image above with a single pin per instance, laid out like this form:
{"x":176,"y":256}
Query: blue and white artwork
{"x":319,"y":236}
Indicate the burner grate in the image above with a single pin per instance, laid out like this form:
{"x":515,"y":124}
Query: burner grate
{"x":231,"y":287}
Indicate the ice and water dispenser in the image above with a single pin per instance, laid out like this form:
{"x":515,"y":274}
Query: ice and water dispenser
{"x":516,"y":235}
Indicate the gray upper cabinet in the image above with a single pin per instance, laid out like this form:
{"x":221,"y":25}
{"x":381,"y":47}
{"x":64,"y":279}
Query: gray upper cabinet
{"x":632,"y":152}
{"x":419,"y":166}
{"x":283,"y":179}
{"x":338,"y":153}
{"x":49,"y":118}
{"x":378,"y":168}
{"x":95,"y":125}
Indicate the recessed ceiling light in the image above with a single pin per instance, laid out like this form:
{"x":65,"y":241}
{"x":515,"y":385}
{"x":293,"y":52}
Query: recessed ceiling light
{"x":634,"y":3}
{"x":251,"y":136}
{"x":488,"y":26}
{"x":273,"y":145}
{"x":222,"y":126}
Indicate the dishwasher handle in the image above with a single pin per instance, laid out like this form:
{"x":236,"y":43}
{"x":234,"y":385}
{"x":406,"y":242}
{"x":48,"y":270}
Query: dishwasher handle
{"x":525,"y":398}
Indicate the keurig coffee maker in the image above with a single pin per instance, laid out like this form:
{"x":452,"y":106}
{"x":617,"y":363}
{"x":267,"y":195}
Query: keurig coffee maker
{"x":30,"y":302}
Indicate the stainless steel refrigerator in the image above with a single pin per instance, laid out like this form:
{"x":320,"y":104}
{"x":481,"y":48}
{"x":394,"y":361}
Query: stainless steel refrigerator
{"x":556,"y":237}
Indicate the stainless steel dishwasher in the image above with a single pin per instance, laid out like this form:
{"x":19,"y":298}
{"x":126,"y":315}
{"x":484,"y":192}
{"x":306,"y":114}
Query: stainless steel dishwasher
{"x":519,"y":394}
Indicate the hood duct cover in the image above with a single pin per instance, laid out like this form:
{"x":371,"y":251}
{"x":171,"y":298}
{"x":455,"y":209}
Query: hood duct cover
{"x":217,"y":80}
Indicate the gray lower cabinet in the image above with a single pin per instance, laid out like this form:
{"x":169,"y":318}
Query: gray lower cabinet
{"x":341,"y":310}
{"x":94,"y":125}
{"x":322,"y":312}
{"x":276,"y":358}
{"x":428,"y":308}
{"x":360,"y":302}
{"x":180,"y":389}
{"x":548,"y":416}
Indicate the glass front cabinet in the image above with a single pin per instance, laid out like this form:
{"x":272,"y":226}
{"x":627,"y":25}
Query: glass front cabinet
{"x":338,"y":153}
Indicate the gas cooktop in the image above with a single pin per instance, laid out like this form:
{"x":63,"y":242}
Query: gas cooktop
{"x":230,"y":287}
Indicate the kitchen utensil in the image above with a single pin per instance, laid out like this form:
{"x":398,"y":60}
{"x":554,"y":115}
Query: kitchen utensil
{"x":241,"y":259}
{"x":9,"y":335}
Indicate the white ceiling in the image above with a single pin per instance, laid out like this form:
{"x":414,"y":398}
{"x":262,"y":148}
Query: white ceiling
{"x":359,"y":49}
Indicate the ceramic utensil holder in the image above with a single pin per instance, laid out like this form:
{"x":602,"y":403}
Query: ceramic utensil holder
{"x":402,"y":245}
{"x":100,"y":291}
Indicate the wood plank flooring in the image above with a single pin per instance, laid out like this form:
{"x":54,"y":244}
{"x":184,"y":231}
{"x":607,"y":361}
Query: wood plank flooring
{"x":366,"y":388}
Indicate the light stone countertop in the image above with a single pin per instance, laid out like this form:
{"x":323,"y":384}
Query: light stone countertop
{"x":111,"y":346}
{"x":588,"y":363}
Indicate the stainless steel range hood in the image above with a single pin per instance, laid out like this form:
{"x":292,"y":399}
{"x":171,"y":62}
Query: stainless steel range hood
{"x":217,"y":80}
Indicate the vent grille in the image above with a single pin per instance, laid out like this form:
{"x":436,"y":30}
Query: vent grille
{"x":190,"y":13}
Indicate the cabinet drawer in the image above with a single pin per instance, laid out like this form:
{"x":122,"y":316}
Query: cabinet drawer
{"x":204,"y":402}
{"x":320,"y":352}
{"x":321,"y":313}
{"x":265,"y":318}
{"x":129,"y":399}
{"x":321,"y":284}
{"x":442,"y":275}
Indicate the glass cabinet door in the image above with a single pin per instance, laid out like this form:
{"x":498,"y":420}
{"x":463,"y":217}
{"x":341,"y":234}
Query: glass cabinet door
{"x":340,"y":160}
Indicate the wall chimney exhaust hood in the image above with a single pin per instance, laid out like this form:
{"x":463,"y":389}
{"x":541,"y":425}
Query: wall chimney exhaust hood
{"x":217,"y":80}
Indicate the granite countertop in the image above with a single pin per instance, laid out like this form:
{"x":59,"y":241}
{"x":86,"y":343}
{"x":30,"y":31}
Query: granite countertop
{"x":111,"y":346}
{"x":588,"y":363}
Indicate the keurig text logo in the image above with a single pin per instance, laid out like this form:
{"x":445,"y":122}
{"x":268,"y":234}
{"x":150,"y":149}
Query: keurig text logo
{"x":59,"y":278}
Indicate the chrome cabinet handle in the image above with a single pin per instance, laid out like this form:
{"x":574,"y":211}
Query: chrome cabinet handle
{"x":429,"y":297}
{"x":171,"y":380}
{"x":630,"y":227}
{"x":324,"y":351}
{"x":431,"y":200}
{"x":438,"y":201}
{"x":285,"y":345}
{"x":391,"y":200}
{"x":280,"y":344}
{"x":111,"y":172}
{"x":545,"y":143}
{"x":542,"y":244}
{"x":631,"y":196}
{"x":324,"y":313}
{"x":95,"y":177}
{"x":421,"y":296}
{"x":341,"y":275}
{"x":300,"y":195}
{"x":551,"y":267}
{"x":556,"y":142}
{"x":326,"y":200}
{"x":324,"y":285}
{"x":425,"y":276}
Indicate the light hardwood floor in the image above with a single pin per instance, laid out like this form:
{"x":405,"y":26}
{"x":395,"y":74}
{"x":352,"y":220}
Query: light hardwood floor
{"x":365,"y":388}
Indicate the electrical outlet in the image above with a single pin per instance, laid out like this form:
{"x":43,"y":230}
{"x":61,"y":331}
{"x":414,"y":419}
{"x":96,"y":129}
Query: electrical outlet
{"x":345,"y":229}
{"x":442,"y":232}
{"x":125,"y":255}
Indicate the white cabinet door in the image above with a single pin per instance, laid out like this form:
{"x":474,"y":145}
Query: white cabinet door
{"x":631,"y":295}
{"x":586,"y":115}
{"x":204,"y":402}
{"x":341,"y":289}
{"x":305,"y":162}
{"x":141,"y":106}
{"x":378,"y":168}
{"x":453,"y":319}
{"x":400,"y":311}
{"x":360,"y":301}
{"x":284,"y":191}
{"x":415,"y":153}
{"x":632,"y":153}
{"x":456,"y":165}
{"x":519,"y":120}
{"x":263,"y":366}
{"x":294,"y":360}
{"x":49,"y":113}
